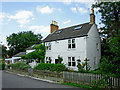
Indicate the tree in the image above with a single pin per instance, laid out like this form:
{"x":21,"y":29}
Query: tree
{"x":110,"y":17}
{"x":110,"y":63}
{"x":38,"y":54}
{"x":22,"y":40}
{"x":3,"y":51}
{"x":110,"y":12}
{"x":60,"y":59}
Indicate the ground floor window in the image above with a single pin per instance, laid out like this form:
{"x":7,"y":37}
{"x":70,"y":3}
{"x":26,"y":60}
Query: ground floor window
{"x":48,"y":59}
{"x":71,"y":61}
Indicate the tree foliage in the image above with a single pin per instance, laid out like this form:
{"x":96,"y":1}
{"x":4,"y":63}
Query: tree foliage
{"x":22,"y":40}
{"x":60,"y":59}
{"x":110,"y":17}
{"x":38,"y":54}
{"x":3,"y":51}
{"x":110,"y":63}
{"x":110,"y":12}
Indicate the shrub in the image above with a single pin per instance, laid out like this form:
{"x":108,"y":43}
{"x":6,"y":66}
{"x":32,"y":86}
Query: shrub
{"x":2,"y":66}
{"x":81,"y":67}
{"x":51,"y":67}
{"x":20,"y":65}
{"x":60,"y":59}
{"x":58,"y":68}
{"x":44,"y":66}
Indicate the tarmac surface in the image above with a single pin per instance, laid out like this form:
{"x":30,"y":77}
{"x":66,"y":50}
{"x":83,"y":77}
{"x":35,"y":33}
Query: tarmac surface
{"x":10,"y":80}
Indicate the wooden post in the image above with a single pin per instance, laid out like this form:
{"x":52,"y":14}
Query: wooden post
{"x":86,"y":60}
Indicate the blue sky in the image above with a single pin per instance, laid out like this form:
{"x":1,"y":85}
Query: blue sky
{"x":37,"y":16}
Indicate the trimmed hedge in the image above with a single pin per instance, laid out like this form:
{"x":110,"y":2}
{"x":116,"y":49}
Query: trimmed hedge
{"x":19,"y":65}
{"x":51,"y":67}
{"x":2,"y":66}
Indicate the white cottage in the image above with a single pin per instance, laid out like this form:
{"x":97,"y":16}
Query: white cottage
{"x":74,"y":43}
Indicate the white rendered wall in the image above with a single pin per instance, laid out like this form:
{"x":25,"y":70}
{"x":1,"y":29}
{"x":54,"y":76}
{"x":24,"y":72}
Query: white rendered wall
{"x":61,"y":48}
{"x":85,"y":48}
{"x":92,"y":39}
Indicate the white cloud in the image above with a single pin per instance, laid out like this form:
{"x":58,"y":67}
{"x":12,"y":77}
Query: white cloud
{"x":22,"y":17}
{"x":40,"y":29}
{"x":77,"y":1}
{"x":1,"y":17}
{"x":88,"y":3}
{"x":82,"y":10}
{"x":45,"y":9}
{"x":74,"y":9}
{"x":67,"y":1}
{"x":66,"y":22}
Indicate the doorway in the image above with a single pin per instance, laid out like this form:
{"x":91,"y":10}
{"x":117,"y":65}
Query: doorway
{"x":56,"y":61}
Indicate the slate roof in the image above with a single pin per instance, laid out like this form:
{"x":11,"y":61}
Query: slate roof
{"x":20,"y":54}
{"x":69,"y":32}
{"x":32,"y":47}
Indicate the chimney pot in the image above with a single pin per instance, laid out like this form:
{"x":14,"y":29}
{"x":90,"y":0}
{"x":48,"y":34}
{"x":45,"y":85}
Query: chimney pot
{"x":92,"y":16}
{"x":54,"y":26}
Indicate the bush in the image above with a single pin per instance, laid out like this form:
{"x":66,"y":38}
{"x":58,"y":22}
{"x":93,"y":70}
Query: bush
{"x":2,"y":66}
{"x":58,"y":68}
{"x":19,"y":65}
{"x":51,"y":67}
{"x":81,"y":67}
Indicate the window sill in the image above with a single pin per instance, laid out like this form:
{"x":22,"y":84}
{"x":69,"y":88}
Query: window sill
{"x":71,"y":49}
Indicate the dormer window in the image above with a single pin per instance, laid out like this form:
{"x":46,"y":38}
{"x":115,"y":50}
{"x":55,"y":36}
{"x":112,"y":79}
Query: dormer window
{"x":71,"y":43}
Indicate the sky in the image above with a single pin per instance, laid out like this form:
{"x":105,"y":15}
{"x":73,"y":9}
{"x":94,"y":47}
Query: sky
{"x":37,"y":16}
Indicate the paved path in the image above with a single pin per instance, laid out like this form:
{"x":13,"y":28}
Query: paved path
{"x":14,"y":81}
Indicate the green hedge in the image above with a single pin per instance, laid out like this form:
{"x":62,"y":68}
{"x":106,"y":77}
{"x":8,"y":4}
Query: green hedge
{"x":19,"y":65}
{"x":2,"y":66}
{"x":51,"y":67}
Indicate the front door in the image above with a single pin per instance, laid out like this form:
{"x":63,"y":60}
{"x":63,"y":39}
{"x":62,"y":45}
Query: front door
{"x":56,"y":61}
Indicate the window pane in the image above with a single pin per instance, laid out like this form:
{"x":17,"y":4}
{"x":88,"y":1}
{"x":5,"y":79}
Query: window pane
{"x":73,"y":40}
{"x":73,"y":58}
{"x":69,"y":63}
{"x":50,"y":47}
{"x":47,"y":47}
{"x":69,"y":59}
{"x":69,"y":41}
{"x":69,"y":45}
{"x":73,"y":64}
{"x":97,"y":46}
{"x":73,"y":45}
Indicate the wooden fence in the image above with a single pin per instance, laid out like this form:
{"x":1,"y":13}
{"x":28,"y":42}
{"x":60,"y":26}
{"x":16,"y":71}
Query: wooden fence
{"x":89,"y":78}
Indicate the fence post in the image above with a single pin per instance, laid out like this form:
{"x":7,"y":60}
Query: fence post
{"x":63,"y":76}
{"x":30,"y":71}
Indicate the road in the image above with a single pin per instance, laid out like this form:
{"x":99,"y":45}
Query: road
{"x":14,"y":81}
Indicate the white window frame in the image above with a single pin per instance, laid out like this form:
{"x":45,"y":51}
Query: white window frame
{"x":48,"y":46}
{"x":48,"y":59}
{"x":70,"y":60}
{"x":71,"y":42}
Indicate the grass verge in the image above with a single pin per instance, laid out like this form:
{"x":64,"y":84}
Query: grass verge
{"x":76,"y":85}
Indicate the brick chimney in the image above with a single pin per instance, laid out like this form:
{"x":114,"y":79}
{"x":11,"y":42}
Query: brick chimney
{"x":92,"y":16}
{"x":54,"y":26}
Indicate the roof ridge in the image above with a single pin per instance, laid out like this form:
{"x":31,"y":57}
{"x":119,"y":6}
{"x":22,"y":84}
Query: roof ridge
{"x":73,"y":26}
